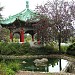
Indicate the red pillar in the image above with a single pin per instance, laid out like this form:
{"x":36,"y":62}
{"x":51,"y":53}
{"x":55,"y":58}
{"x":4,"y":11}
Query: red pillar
{"x":11,"y":36}
{"x":22,"y":35}
{"x":32,"y":37}
{"x":38,"y":39}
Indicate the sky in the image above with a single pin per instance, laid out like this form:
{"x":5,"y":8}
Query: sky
{"x":12,"y":7}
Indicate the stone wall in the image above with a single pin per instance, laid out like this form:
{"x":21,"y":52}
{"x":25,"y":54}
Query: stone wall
{"x":70,"y":68}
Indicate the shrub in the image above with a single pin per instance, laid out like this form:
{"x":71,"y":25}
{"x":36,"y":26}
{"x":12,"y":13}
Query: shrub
{"x":14,"y":48}
{"x":15,"y":66}
{"x":25,"y":48}
{"x":52,"y":47}
{"x":71,"y":49}
{"x":9,"y":71}
{"x":64,"y":48}
{"x":5,"y":70}
{"x":9,"y":67}
{"x":48,"y":49}
{"x":2,"y":47}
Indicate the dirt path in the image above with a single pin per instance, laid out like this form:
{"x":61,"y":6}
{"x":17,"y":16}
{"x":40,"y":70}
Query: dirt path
{"x":38,"y":73}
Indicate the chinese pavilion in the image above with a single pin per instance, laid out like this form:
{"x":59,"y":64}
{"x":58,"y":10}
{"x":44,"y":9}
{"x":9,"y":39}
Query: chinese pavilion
{"x":21,"y":23}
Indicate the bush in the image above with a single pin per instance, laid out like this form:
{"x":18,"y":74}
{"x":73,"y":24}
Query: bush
{"x":9,"y":67}
{"x":48,"y":49}
{"x":52,"y":47}
{"x":64,"y":48}
{"x":25,"y":48}
{"x":71,"y":49}
{"x":14,"y":65}
{"x":14,"y":48}
{"x":9,"y":71}
{"x":5,"y":70}
{"x":2,"y":47}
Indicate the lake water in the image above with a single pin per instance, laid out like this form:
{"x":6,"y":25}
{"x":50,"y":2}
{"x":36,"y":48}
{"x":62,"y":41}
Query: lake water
{"x":42,"y":65}
{"x":56,"y":68}
{"x":50,"y":65}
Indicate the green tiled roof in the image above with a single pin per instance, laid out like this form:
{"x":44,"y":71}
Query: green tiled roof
{"x":28,"y":14}
{"x":25,"y":15}
{"x":8,"y":20}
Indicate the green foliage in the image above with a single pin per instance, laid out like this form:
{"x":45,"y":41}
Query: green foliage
{"x":72,"y":39}
{"x":5,"y":70}
{"x":4,"y":34}
{"x":1,"y":69}
{"x":52,"y":46}
{"x":9,"y":71}
{"x":22,"y":49}
{"x":64,"y":48}
{"x":28,"y":38}
{"x":14,"y":48}
{"x":9,"y":67}
{"x":71,"y":49}
{"x":2,"y":47}
{"x":15,"y":66}
{"x":48,"y":49}
{"x":53,"y":61}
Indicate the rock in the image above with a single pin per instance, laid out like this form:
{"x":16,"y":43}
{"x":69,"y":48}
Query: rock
{"x":44,"y":60}
{"x":40,"y":62}
{"x":23,"y":62}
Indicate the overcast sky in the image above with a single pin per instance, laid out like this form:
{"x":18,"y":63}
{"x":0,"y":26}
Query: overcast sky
{"x":12,"y":7}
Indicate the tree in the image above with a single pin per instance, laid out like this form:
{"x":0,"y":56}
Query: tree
{"x":0,"y":17}
{"x":41,"y":28}
{"x":4,"y":34}
{"x":0,"y":13}
{"x":60,"y":14}
{"x":72,"y":9}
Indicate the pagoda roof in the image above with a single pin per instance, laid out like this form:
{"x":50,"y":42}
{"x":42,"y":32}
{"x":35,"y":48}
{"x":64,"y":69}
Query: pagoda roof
{"x":25,"y":15}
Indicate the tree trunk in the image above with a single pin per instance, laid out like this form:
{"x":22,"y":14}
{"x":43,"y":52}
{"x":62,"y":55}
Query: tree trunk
{"x":59,"y":41}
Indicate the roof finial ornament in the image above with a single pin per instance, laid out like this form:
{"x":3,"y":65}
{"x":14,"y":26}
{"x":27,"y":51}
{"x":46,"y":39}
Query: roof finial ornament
{"x":27,"y":4}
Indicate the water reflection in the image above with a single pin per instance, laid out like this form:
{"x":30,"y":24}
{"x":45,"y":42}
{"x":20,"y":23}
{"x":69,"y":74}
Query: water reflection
{"x":58,"y":67}
{"x":42,"y":65}
{"x":52,"y":65}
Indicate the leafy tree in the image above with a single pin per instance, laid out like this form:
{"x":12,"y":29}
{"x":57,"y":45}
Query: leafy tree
{"x":4,"y":34}
{"x":3,"y":31}
{"x":0,"y":16}
{"x":60,"y":19}
{"x":41,"y":28}
{"x":72,"y":9}
{"x":0,"y":13}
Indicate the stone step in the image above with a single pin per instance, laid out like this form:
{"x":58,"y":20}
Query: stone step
{"x":41,"y":73}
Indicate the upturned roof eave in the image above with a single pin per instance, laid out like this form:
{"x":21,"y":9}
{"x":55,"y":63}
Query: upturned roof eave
{"x":20,"y":16}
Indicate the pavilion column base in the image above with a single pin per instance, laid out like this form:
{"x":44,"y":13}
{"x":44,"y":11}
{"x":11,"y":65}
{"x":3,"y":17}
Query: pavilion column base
{"x":11,"y":36}
{"x":33,"y":38}
{"x":22,"y":35}
{"x":38,"y":41}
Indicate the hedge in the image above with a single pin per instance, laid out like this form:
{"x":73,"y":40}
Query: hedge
{"x":71,"y":49}
{"x":14,"y":48}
